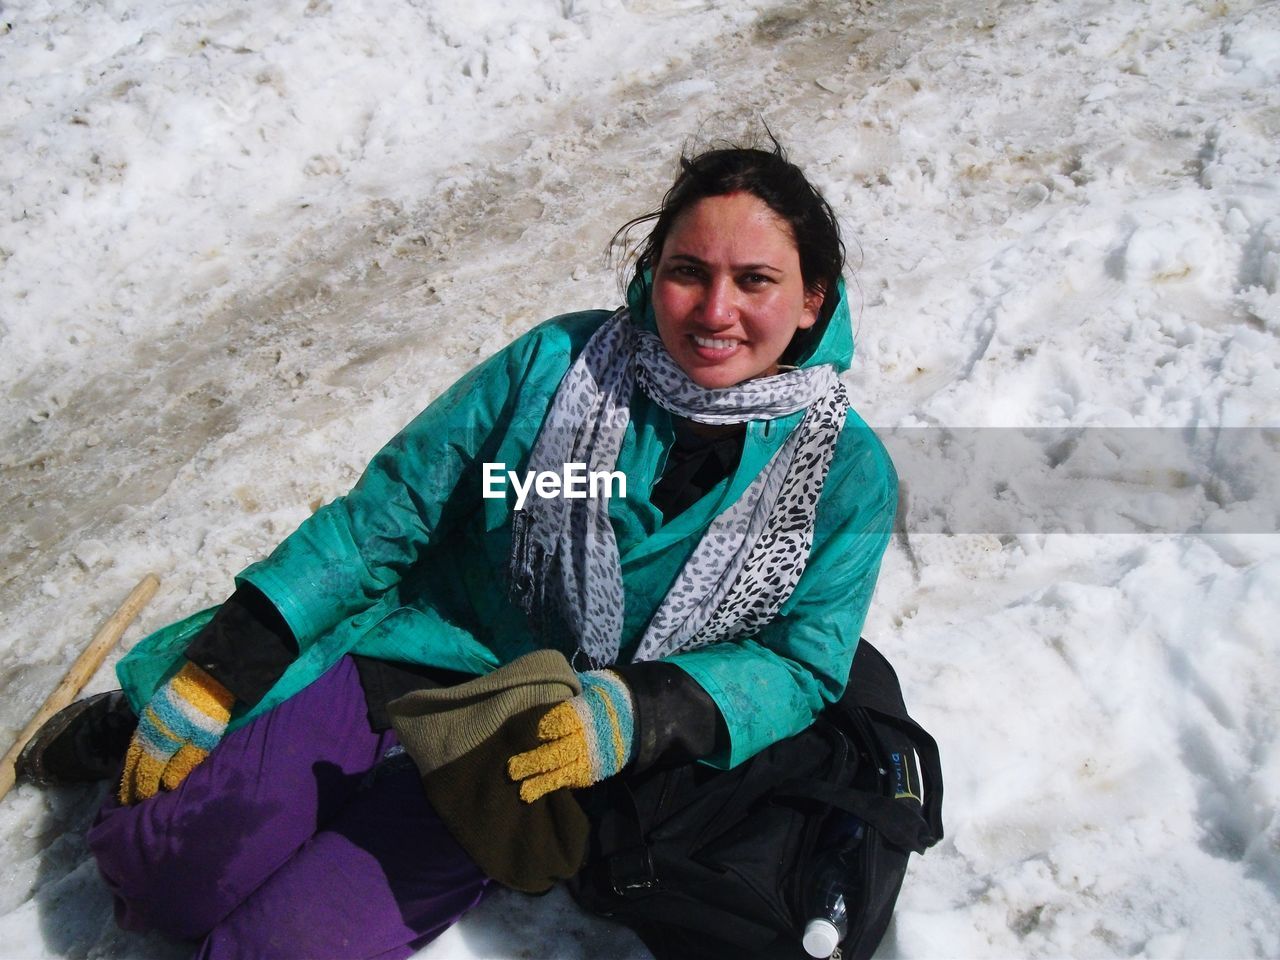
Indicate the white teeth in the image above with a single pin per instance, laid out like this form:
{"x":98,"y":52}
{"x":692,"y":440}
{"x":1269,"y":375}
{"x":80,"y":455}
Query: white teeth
{"x":714,"y":344}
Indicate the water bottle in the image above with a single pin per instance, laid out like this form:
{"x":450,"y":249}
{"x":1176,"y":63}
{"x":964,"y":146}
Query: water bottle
{"x":831,"y":885}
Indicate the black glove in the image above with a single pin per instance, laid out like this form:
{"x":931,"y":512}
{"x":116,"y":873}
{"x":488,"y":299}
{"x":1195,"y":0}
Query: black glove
{"x":246,"y":646}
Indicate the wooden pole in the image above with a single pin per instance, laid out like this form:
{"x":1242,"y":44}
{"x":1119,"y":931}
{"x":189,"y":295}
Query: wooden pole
{"x":76,"y":677}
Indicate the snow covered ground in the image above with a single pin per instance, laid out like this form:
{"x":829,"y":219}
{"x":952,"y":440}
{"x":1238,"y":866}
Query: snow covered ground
{"x":240,"y":245}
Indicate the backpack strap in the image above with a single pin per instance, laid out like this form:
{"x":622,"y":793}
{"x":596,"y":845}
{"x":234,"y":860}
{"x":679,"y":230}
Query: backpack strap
{"x":874,"y":687}
{"x":930,"y":770}
{"x":898,"y":822}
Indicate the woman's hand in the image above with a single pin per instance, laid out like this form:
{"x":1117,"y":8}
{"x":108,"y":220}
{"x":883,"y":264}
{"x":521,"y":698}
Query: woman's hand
{"x":184,"y":720}
{"x":588,"y":738}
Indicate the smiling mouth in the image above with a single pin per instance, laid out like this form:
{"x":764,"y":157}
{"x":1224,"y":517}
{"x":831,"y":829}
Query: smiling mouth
{"x":711,"y":343}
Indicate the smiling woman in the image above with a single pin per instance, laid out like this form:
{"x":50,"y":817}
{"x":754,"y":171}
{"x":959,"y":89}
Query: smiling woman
{"x":742,"y":237}
{"x":728,"y":295}
{"x":702,"y":609}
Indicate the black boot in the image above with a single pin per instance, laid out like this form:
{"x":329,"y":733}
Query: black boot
{"x":81,"y":743}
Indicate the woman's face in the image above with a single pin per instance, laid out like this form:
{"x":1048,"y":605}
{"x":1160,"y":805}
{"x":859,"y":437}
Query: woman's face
{"x":728,"y":294}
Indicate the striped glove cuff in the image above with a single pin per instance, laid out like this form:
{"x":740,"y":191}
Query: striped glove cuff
{"x":608,"y":714}
{"x":186,"y":710}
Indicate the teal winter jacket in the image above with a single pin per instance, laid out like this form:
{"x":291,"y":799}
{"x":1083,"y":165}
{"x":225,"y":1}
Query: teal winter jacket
{"x":411,"y":565}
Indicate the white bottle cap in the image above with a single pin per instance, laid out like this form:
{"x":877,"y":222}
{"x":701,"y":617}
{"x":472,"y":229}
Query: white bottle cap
{"x":821,"y":938}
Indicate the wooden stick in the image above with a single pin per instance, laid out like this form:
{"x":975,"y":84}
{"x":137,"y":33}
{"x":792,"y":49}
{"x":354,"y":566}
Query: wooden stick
{"x":76,"y":677}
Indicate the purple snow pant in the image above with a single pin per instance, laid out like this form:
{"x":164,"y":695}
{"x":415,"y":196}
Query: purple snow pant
{"x":279,"y":845}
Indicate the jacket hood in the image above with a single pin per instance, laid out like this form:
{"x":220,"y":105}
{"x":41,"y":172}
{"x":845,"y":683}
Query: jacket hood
{"x":830,"y":341}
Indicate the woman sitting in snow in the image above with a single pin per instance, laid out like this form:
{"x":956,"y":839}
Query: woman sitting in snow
{"x":709,"y":609}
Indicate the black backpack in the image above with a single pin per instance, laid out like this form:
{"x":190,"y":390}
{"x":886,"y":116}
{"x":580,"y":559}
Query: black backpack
{"x":712,"y":864}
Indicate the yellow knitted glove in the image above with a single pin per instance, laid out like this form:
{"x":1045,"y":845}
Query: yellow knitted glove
{"x":184,"y":720}
{"x":587,"y":739}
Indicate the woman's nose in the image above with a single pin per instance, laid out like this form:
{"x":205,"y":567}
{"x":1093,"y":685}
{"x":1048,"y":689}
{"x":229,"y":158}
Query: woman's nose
{"x":719,"y":308}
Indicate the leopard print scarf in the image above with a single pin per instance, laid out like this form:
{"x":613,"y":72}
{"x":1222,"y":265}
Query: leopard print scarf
{"x":565,"y":570}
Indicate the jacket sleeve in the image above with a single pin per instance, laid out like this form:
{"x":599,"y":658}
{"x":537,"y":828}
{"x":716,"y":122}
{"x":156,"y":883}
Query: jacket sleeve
{"x":773,"y":685}
{"x":353,"y":553}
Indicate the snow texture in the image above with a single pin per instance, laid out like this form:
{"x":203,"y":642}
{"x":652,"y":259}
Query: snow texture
{"x":241,"y":245}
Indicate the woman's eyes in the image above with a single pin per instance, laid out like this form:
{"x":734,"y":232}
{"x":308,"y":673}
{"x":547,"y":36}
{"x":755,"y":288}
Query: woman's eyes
{"x":690,"y":272}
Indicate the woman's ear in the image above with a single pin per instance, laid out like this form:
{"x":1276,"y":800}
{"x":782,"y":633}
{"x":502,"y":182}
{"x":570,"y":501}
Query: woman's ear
{"x":812,"y":307}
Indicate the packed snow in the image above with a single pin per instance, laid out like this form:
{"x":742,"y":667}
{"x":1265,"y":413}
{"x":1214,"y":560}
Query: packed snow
{"x":241,"y":245}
